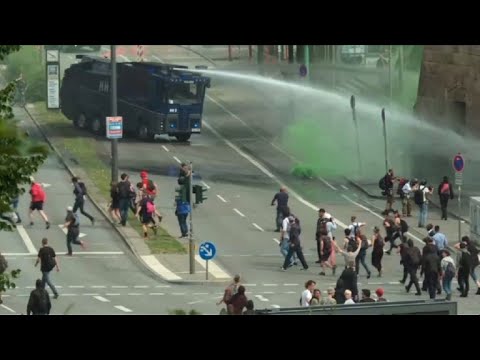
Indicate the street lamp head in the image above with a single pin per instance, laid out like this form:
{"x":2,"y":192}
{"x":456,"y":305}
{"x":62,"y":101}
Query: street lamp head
{"x":352,"y":102}
{"x":383,"y":114}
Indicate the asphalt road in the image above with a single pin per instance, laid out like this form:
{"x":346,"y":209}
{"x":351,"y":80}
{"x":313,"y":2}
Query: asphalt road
{"x":246,"y":190}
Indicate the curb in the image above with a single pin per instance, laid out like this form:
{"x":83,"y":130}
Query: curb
{"x":105,"y":215}
{"x":362,"y":189}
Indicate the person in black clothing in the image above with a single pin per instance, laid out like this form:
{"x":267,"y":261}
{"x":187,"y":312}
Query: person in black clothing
{"x":339,"y":292}
{"x":428,"y":248}
{"x":125,"y":191}
{"x":48,"y":261}
{"x":321,"y":227}
{"x":377,"y":251}
{"x":445,"y":192}
{"x":80,"y":191}
{"x":389,"y":179}
{"x":282,"y":201}
{"x":464,"y":268}
{"x":432,"y":271}
{"x":366,"y":296}
{"x":114,"y":207}
{"x":403,"y":249}
{"x":72,"y":224}
{"x":39,"y":301}
{"x":184,"y":176}
{"x":349,"y":277}
{"x":362,"y":254}
{"x":295,"y":246}
{"x":411,"y":262}
{"x":474,"y":253}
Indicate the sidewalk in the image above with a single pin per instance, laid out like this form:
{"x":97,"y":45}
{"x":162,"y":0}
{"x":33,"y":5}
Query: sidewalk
{"x":169,"y":267}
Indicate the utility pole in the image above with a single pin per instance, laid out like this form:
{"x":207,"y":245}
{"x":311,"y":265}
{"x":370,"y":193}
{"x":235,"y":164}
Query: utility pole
{"x":390,"y":64}
{"x":191,"y":241}
{"x":357,"y":136}
{"x":113,"y":92}
{"x":306,"y":55}
{"x":385,"y":140}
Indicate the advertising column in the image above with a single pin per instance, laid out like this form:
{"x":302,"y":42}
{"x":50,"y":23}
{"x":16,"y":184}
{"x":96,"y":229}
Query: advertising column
{"x":53,"y":79}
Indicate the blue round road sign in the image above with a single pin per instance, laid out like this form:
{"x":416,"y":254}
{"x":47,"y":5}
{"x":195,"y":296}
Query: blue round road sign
{"x":458,"y":163}
{"x":207,"y":250}
{"x":303,"y":70}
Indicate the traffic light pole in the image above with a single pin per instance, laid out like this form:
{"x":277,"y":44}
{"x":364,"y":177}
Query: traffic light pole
{"x":191,"y":242}
{"x":113,"y":92}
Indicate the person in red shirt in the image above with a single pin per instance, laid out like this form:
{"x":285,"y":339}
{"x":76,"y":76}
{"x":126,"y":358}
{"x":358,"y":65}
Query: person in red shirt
{"x":148,"y":185}
{"x":38,"y":199}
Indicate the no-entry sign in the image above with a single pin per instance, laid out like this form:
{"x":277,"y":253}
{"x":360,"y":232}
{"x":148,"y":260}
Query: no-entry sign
{"x":458,"y":163}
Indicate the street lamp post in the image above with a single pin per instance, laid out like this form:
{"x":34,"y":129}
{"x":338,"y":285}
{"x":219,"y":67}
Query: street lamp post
{"x":191,"y":241}
{"x":307,"y":60}
{"x":354,"y":116}
{"x":113,"y":92}
{"x":385,"y":140}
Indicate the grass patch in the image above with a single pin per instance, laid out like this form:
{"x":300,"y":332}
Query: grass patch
{"x":84,"y":149}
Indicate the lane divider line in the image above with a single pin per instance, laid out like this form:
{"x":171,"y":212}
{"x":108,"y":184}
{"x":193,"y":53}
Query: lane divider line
{"x":123,"y":308}
{"x":221,"y":198}
{"x":258,"y":227}
{"x":238,"y":212}
{"x":177,"y":159}
{"x":165,"y":148}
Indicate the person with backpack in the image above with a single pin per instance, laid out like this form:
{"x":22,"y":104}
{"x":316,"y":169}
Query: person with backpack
{"x":80,"y":191}
{"x":448,"y":273}
{"x":48,"y":261}
{"x":287,"y":222}
{"x":355,"y":226}
{"x":125,"y":193}
{"x":281,"y":199}
{"x":420,"y":195}
{"x":412,"y":261}
{"x":377,"y":250}
{"x":72,"y":223}
{"x":39,"y":301}
{"x":475,"y":255}
{"x":400,"y":228}
{"x":432,"y":271}
{"x":148,"y":185}
{"x":146,"y":210}
{"x":464,"y":261}
{"x":295,"y":246}
{"x":445,"y":192}
{"x":386,"y":185}
{"x":38,"y":198}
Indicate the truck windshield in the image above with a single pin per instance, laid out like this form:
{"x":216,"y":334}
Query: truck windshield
{"x":184,"y":93}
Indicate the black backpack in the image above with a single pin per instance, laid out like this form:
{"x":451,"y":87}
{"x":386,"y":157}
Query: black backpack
{"x":352,"y":243}
{"x":415,"y":256}
{"x":41,"y":302}
{"x":403,"y":226}
{"x":449,"y":271}
{"x":418,"y":196}
{"x":382,"y":184}
{"x":83,"y":188}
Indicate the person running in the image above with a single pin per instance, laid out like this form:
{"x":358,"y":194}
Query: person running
{"x":38,"y":198}
{"x":412,"y":261}
{"x":362,"y":254}
{"x":80,"y":191}
{"x":72,"y":223}
{"x":230,"y":290}
{"x":377,"y":252}
{"x":281,"y":198}
{"x":403,"y":250}
{"x":389,"y":226}
{"x":39,"y":300}
{"x":48,"y":261}
{"x":146,"y":210}
{"x":114,"y":208}
{"x":148,"y":185}
{"x":295,"y":246}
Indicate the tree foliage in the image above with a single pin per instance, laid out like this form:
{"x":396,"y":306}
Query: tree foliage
{"x":20,"y":157}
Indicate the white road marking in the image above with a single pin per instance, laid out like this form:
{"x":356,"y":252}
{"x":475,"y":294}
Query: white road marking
{"x":275,"y":306}
{"x":156,"y":294}
{"x":98,"y":253}
{"x":119,"y":286}
{"x":98,"y":287}
{"x":344,"y":187}
{"x":165,"y":148}
{"x":213,"y":268}
{"x":134,"y":294}
{"x":156,"y":266}
{"x":123,"y":57}
{"x":290,"y":292}
{"x":177,"y":159}
{"x":157,"y":58}
{"x":205,"y":184}
{"x":91,"y":294}
{"x":141,"y":286}
{"x":162,"y":286}
{"x":112,"y":294}
{"x":268,"y":292}
{"x":250,"y":284}
{"x":291,"y":284}
{"x":69,"y":294}
{"x":221,"y":198}
{"x":238,"y":212}
{"x":76,"y":286}
{"x":8,"y":309}
{"x":26,"y":240}
{"x":261,"y":298}
{"x":45,"y":185}
{"x":276,"y":240}
{"x":258,"y":227}
{"x":122,"y":308}
{"x":270,"y":284}
{"x":178,"y":294}
{"x":101,"y":298}
{"x":66,"y":230}
{"x":194,"y":302}
{"x":200,"y":294}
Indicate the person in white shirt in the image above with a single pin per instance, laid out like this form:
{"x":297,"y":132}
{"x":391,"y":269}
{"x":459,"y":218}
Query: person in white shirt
{"x":422,"y":218}
{"x":355,"y":226}
{"x":307,"y":294}
{"x":406,"y":199}
{"x":348,"y":297}
{"x":285,"y":235}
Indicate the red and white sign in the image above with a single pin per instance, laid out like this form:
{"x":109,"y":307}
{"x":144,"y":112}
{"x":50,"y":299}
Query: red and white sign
{"x":114,"y":127}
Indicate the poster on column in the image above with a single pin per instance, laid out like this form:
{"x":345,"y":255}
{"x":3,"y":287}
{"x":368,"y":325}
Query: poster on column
{"x":53,"y":86}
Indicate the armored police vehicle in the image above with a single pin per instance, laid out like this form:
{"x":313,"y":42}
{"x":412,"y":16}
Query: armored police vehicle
{"x":153,"y":98}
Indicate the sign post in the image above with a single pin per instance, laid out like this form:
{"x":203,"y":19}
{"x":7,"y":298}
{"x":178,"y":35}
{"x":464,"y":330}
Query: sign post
{"x":458,"y":166}
{"x":53,"y":79}
{"x":207,"y":252}
{"x":114,"y":127}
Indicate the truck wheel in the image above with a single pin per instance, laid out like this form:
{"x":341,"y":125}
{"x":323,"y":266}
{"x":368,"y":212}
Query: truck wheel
{"x":96,"y":126}
{"x":81,"y":121}
{"x":183,"y":137}
{"x":143,"y":132}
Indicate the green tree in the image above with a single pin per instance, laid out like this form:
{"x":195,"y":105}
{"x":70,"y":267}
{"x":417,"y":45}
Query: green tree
{"x":20,"y":157}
